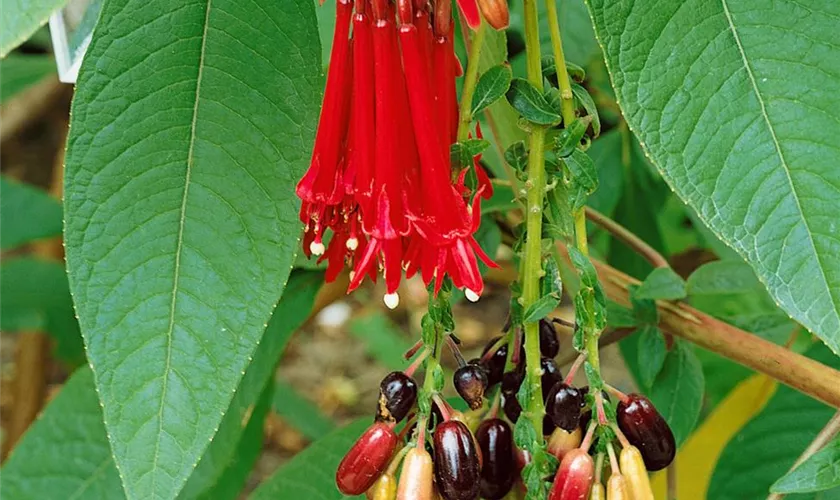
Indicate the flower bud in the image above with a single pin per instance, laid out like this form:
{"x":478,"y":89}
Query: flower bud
{"x":495,"y":13}
{"x":366,"y":460}
{"x":645,"y":428}
{"x":617,"y":488}
{"x":385,"y":488}
{"x":574,"y":477}
{"x":562,"y":441}
{"x":633,"y":469}
{"x":470,"y":381}
{"x":597,"y":492}
{"x":416,"y":476}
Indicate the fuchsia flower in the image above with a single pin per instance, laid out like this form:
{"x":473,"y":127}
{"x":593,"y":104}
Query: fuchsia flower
{"x":380,"y":177}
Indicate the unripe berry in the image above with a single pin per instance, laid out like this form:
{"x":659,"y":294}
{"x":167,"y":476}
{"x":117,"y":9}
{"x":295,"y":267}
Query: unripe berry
{"x":366,"y":460}
{"x":562,"y":441}
{"x":633,"y":469}
{"x":574,"y":477}
{"x":645,"y":428}
{"x":617,"y":488}
{"x":397,"y":395}
{"x":495,"y":440}
{"x":598,"y":492}
{"x":416,"y":476}
{"x":456,"y":462}
{"x":385,"y":488}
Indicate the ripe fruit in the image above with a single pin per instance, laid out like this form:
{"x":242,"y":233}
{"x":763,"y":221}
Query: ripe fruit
{"x":563,"y":404}
{"x":416,"y":476}
{"x":495,"y":366}
{"x":617,"y":488}
{"x":562,"y":441}
{"x":633,"y":469}
{"x":574,"y":477}
{"x":550,"y":375}
{"x":549,"y":345}
{"x":647,"y":430}
{"x":385,"y":488}
{"x":366,"y":460}
{"x":456,"y":462}
{"x":495,"y":440}
{"x":470,"y":381}
{"x":397,"y":394}
{"x":510,"y":386}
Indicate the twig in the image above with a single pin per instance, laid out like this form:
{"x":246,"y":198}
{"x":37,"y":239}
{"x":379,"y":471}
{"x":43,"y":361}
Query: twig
{"x":671,"y":477}
{"x":826,"y":434}
{"x":625,"y":236}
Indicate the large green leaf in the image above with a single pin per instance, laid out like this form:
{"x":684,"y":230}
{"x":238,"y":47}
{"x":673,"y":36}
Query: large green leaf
{"x":26,"y":213}
{"x":300,"y":412}
{"x":74,"y":421}
{"x":677,"y":391}
{"x":21,"y":18}
{"x":820,"y":472}
{"x":65,"y":453}
{"x":191,"y":123}
{"x":766,"y":448}
{"x":36,"y":297}
{"x":17,"y":72}
{"x":736,"y":104}
{"x":311,"y":473}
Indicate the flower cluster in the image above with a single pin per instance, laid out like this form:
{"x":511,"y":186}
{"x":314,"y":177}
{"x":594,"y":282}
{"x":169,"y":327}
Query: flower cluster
{"x":381,"y":178}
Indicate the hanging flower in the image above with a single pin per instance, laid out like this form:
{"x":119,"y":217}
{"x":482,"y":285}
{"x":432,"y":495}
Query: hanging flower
{"x":381,"y":175}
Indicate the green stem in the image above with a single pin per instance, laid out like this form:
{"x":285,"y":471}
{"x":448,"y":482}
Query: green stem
{"x":567,"y":107}
{"x":470,"y":79}
{"x":535,"y":187}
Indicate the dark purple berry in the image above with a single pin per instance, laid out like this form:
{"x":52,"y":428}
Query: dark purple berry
{"x":511,"y":382}
{"x":646,"y":430}
{"x":549,"y":345}
{"x":397,"y":394}
{"x":470,"y":381}
{"x":457,"y":470}
{"x":563,"y":404}
{"x":550,"y":375}
{"x":498,"y":472}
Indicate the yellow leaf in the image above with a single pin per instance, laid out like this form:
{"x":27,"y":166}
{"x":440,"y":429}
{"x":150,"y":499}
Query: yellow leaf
{"x":697,"y":458}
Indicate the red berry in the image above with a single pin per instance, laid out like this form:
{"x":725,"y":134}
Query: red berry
{"x":563,"y":404}
{"x":470,"y":381}
{"x":397,"y":394}
{"x":495,"y":440}
{"x":366,"y":460}
{"x":645,"y":428}
{"x":574,"y":477}
{"x":456,"y":462}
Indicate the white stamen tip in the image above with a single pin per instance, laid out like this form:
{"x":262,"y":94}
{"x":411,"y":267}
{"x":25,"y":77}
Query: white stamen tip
{"x":471,"y":296}
{"x":352,"y":244}
{"x":352,"y":275}
{"x":317,"y":248}
{"x":392,"y":300}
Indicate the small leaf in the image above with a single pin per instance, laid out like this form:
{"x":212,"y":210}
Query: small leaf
{"x":26,"y":214}
{"x":524,"y":434}
{"x":584,"y":179}
{"x":531,"y":104}
{"x":311,"y":473}
{"x":385,"y":342}
{"x":517,"y":156}
{"x":723,"y":277}
{"x":818,"y":473}
{"x":584,"y":100}
{"x":541,"y":308}
{"x":652,"y":352}
{"x":662,"y":284}
{"x":569,"y":138}
{"x":593,"y":376}
{"x":463,"y":153}
{"x":551,"y":283}
{"x":491,"y":86}
{"x":677,"y":391}
{"x":549,"y":69}
{"x":300,"y":412}
{"x":619,"y":316}
{"x":21,"y":19}
{"x":644,"y":310}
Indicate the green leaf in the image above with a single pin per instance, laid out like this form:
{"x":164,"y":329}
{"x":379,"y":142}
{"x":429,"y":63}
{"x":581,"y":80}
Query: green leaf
{"x":540,"y":309}
{"x":235,"y":475}
{"x":723,"y":277}
{"x":549,"y":69}
{"x":818,"y":473}
{"x":21,"y":19}
{"x":463,"y":153}
{"x":677,"y":391}
{"x":619,"y":316}
{"x":26,"y":214}
{"x":606,"y":155}
{"x":291,"y":312}
{"x":757,"y":165}
{"x":767,"y":446}
{"x":584,"y":100}
{"x":181,"y":216}
{"x":662,"y":284}
{"x":491,"y":86}
{"x":385,"y":342}
{"x":517,"y":156}
{"x":584,"y":177}
{"x":569,"y":138}
{"x":579,"y":43}
{"x":530,"y":103}
{"x":19,"y":72}
{"x":311,"y":473}
{"x":65,"y":453}
{"x":652,"y":353}
{"x":36,"y":297}
{"x":502,"y":200}
{"x":300,"y":412}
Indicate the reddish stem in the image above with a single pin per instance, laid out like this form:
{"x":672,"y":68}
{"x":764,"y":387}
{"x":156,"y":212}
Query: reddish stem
{"x":492,"y":351}
{"x":443,"y":406}
{"x":416,"y":363}
{"x":613,"y":461}
{"x":575,"y":367}
{"x":599,"y":403}
{"x":587,"y":440}
{"x":455,"y":351}
{"x":615,"y":392}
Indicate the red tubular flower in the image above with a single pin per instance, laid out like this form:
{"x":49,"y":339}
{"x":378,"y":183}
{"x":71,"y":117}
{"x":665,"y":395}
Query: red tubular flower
{"x":320,"y":186}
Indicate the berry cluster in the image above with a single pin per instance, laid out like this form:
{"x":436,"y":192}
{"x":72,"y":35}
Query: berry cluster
{"x":473,"y":454}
